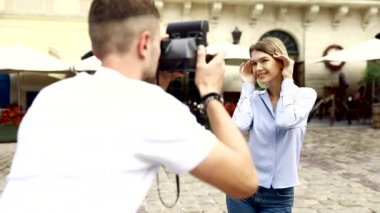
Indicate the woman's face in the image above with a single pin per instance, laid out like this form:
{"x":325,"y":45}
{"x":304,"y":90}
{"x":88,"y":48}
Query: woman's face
{"x":265,"y":67}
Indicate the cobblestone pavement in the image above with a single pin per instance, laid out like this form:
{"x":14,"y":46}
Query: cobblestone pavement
{"x":339,"y":171}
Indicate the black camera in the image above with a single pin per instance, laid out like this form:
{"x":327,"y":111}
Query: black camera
{"x":179,"y":51}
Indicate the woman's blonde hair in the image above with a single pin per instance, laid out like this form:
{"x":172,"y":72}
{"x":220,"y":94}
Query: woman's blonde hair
{"x":269,"y":45}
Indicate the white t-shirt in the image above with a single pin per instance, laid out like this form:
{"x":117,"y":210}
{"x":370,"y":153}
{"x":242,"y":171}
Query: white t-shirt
{"x":93,"y":143}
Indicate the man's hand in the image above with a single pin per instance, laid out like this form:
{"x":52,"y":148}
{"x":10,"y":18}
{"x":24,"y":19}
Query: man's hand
{"x":165,"y":77}
{"x":246,"y":72}
{"x":209,"y":76}
{"x":287,"y":71}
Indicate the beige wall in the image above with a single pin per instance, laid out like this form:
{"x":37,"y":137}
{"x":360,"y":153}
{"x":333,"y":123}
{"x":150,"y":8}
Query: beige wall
{"x":61,"y":25}
{"x":68,"y":37}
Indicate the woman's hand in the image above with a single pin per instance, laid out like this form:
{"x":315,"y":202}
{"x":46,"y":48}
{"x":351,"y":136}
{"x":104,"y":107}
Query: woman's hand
{"x":288,"y":63}
{"x":246,"y":72}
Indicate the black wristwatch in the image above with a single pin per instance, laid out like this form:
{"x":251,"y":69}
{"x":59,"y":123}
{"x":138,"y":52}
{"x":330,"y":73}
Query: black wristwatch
{"x":206,"y":99}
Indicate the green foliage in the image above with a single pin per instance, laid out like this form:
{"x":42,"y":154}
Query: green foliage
{"x":371,"y":79}
{"x":372,"y":73}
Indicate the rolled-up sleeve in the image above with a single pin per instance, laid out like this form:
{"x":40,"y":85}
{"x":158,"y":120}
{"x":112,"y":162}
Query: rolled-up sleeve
{"x":294,"y":105}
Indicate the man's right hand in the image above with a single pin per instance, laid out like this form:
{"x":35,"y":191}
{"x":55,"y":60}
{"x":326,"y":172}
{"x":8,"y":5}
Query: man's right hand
{"x":246,"y":72}
{"x":209,"y":76}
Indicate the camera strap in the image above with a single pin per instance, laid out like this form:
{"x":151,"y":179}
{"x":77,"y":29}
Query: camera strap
{"x":159,"y":191}
{"x":158,"y":179}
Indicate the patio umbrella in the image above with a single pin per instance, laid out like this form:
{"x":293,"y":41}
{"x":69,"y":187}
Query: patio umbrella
{"x":18,"y":58}
{"x":367,"y":50}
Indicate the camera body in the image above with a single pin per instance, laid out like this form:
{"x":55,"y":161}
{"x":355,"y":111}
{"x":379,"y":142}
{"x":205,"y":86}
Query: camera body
{"x":179,"y":51}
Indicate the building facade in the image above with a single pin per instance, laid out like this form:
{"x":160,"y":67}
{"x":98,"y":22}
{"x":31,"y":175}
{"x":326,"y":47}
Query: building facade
{"x":308,"y":28}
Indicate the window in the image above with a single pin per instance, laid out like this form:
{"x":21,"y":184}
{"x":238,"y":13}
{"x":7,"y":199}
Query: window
{"x":288,"y":40}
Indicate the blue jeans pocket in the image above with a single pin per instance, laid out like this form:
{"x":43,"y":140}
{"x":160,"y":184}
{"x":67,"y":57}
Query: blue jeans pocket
{"x":286,"y":192}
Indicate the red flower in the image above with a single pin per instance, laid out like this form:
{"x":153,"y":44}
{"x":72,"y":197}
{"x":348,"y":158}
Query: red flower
{"x":230,"y":107}
{"x":11,"y":115}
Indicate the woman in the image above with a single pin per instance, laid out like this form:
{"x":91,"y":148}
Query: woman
{"x":276,"y":119}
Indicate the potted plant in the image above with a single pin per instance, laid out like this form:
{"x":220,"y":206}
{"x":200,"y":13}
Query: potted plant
{"x":10,"y":118}
{"x":372,"y":79}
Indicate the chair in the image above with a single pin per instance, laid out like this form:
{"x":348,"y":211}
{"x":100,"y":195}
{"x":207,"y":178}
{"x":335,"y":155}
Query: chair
{"x":332,"y":104}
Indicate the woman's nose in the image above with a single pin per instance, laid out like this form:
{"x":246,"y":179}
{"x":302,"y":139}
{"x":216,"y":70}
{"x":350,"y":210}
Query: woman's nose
{"x":258,"y":66}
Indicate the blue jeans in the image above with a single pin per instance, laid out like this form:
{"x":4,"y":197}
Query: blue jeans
{"x":264,"y":201}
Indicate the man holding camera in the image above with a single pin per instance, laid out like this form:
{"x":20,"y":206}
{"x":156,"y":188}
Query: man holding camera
{"x":93,"y":143}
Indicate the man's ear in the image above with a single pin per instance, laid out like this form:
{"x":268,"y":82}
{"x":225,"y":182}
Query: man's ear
{"x":143,"y":44}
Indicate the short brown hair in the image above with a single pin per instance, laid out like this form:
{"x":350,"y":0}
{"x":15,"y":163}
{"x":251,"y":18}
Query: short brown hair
{"x":269,"y":45}
{"x":113,"y":24}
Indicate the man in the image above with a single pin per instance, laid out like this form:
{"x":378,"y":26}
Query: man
{"x":93,"y":143}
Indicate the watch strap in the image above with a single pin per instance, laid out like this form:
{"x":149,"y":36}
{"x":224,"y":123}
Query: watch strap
{"x":207,"y":98}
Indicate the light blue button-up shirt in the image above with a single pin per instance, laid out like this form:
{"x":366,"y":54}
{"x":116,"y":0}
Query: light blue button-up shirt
{"x":276,"y":135}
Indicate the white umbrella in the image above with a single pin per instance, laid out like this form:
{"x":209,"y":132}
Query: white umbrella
{"x":232,"y":51}
{"x":20,"y":58}
{"x":89,"y":64}
{"x":367,"y":50}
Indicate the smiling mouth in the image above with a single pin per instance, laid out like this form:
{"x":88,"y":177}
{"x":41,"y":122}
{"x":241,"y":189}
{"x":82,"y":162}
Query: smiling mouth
{"x":261,"y":75}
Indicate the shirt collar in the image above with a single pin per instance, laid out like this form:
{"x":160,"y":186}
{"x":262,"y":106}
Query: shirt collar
{"x":112,"y":74}
{"x":262,"y":92}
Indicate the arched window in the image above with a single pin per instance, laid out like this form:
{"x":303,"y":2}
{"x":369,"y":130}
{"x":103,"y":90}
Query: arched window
{"x":288,"y":40}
